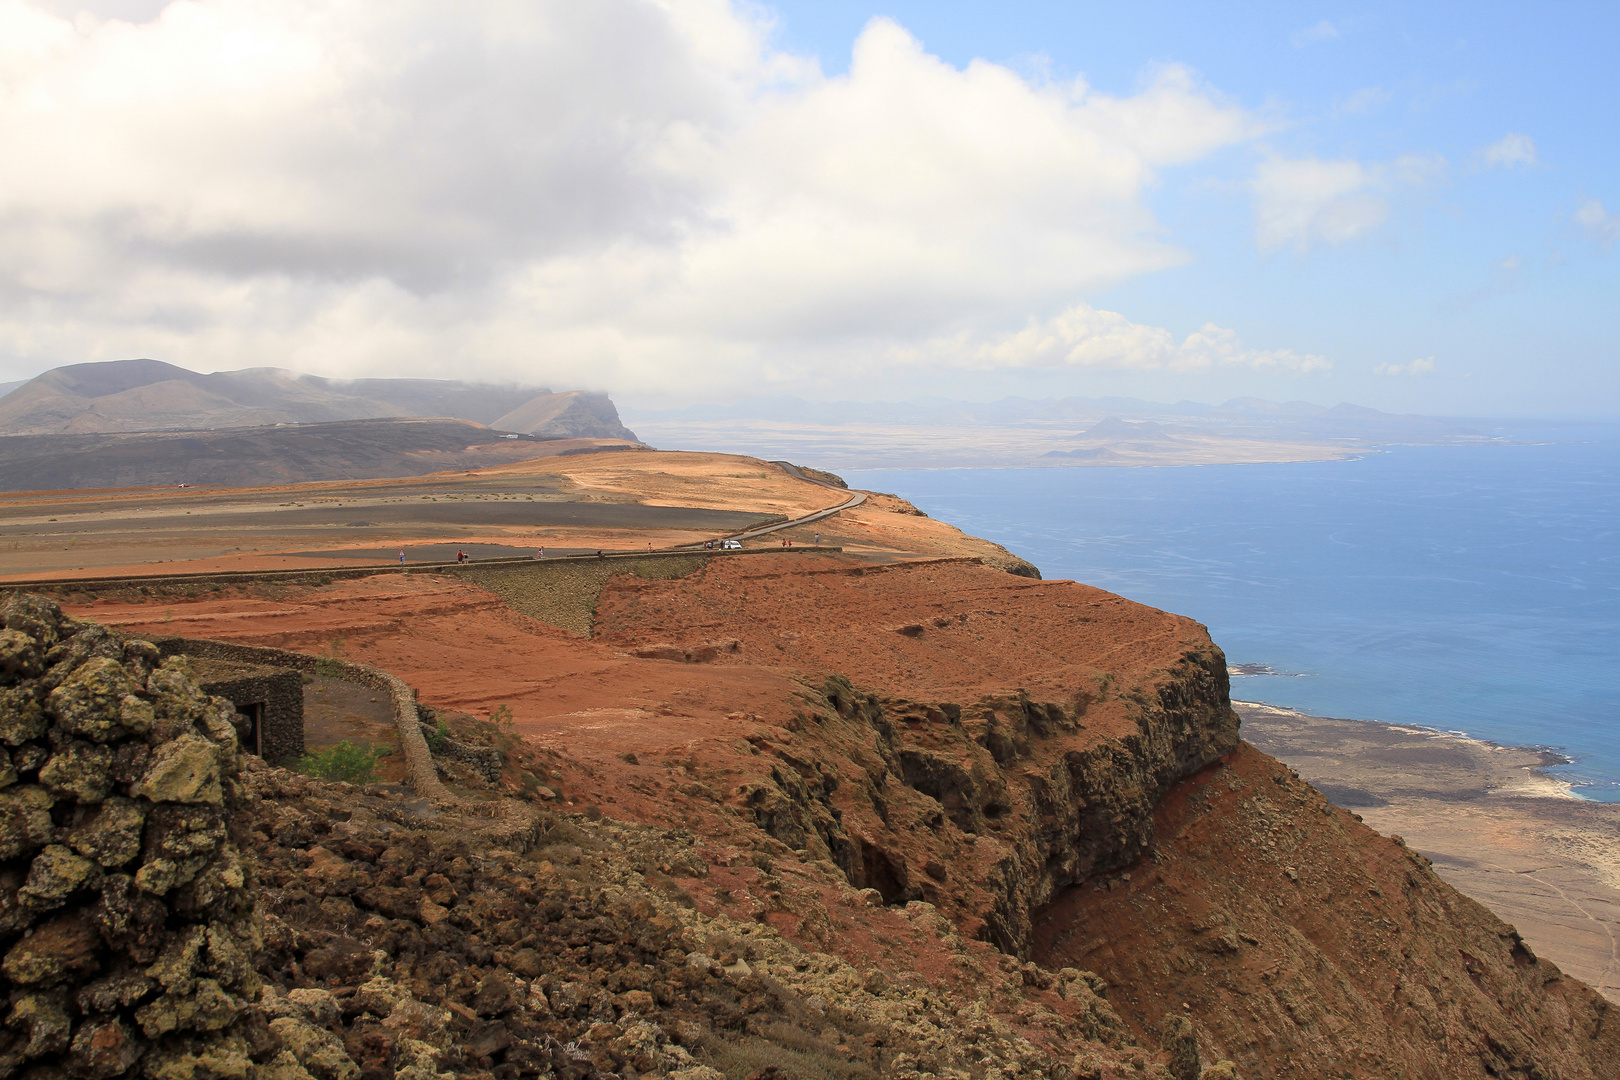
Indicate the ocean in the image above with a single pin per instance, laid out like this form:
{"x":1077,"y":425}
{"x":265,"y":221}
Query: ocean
{"x":1473,"y":589}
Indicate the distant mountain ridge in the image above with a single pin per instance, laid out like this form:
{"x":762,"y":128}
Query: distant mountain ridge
{"x":150,"y":395}
{"x":1247,"y":416}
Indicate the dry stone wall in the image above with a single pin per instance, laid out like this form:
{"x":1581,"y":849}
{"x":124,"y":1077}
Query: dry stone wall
{"x":126,"y":927}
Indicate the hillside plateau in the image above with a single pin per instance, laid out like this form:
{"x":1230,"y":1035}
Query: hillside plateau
{"x":885,"y":811}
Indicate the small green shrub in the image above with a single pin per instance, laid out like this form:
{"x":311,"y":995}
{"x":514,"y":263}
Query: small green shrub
{"x":438,"y":736}
{"x":501,"y":717}
{"x":329,"y":665}
{"x":345,"y":761}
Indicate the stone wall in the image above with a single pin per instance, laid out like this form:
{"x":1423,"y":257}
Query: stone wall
{"x":196,"y":584}
{"x":270,"y":698}
{"x":419,"y":768}
{"x":126,"y":924}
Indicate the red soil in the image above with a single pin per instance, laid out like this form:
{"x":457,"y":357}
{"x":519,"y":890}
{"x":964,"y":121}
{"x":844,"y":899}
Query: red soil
{"x":688,"y":725}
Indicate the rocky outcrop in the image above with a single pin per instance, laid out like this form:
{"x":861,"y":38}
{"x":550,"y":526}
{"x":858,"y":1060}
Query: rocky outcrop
{"x":1306,"y":945}
{"x":126,"y":921}
{"x":989,"y":809}
{"x":572,"y":414}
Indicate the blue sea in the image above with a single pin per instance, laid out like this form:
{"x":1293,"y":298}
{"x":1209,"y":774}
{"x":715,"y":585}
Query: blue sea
{"x":1466,"y":588}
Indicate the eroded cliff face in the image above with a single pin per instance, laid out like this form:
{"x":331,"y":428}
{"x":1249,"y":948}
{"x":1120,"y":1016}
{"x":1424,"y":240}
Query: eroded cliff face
{"x":983,"y":804}
{"x":1307,"y":945}
{"x":1112,"y":822}
{"x":921,"y":773}
{"x":986,"y":809}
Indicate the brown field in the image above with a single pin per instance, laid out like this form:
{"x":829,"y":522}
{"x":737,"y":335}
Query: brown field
{"x":617,"y":501}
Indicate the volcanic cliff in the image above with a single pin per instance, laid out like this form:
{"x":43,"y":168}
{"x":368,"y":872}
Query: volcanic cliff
{"x":798,"y":815}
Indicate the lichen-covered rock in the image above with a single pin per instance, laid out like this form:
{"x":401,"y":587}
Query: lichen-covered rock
{"x":129,"y":919}
{"x":220,"y":1058}
{"x":176,"y":968}
{"x":112,"y":835}
{"x":119,"y":990}
{"x":229,"y":954}
{"x":178,"y":704}
{"x":42,"y":1020}
{"x":64,"y":948}
{"x":136,"y":715}
{"x":103,"y":1048}
{"x":317,"y":1006}
{"x":21,"y":718}
{"x":114,"y":793}
{"x":20,"y":656}
{"x":182,"y":831}
{"x":79,"y":772}
{"x":285,"y":1067}
{"x":317,"y":1050}
{"x":1180,"y":1040}
{"x":183,"y":770}
{"x":416,"y":1060}
{"x":56,"y":874}
{"x":25,"y":820}
{"x":33,"y":615}
{"x":89,"y":703}
{"x":203,"y":1006}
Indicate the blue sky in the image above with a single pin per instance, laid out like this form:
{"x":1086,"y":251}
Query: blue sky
{"x":1482,"y":267}
{"x":1414,"y":207}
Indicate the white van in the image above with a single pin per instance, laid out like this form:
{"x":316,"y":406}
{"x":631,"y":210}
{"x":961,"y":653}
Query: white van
{"x":731,"y":545}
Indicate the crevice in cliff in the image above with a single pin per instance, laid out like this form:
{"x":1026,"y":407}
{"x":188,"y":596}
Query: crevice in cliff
{"x":1005,"y":800}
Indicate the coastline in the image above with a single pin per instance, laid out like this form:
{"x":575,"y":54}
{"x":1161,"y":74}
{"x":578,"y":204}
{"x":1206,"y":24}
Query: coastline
{"x":1493,"y":822}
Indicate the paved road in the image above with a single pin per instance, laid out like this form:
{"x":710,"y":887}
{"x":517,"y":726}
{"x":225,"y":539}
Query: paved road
{"x":798,"y":474}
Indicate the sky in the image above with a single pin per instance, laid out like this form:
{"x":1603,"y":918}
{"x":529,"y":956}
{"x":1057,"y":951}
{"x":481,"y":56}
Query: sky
{"x":1411,"y":207}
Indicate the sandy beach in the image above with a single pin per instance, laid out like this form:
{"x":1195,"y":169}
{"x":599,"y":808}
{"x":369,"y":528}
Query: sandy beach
{"x":1494,"y":823}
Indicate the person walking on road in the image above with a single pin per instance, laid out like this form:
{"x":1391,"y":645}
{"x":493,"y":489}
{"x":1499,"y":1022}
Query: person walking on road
{"x":402,"y":556}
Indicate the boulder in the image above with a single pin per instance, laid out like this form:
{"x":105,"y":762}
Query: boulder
{"x":55,"y":874}
{"x":102,"y":1048}
{"x":184,"y":770}
{"x":25,"y":820}
{"x":112,"y":835}
{"x":80,"y":772}
{"x":89,"y":703}
{"x":62,"y":949}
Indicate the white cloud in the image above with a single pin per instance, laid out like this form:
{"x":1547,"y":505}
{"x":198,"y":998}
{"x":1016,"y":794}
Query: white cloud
{"x":1510,"y":150}
{"x":628,"y":192}
{"x":1364,"y":100}
{"x":1082,"y":336}
{"x":1300,"y":202}
{"x":1599,"y":224}
{"x":1322,"y":31}
{"x":1421,"y":366}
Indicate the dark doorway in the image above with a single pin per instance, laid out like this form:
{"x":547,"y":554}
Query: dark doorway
{"x":250,"y":727}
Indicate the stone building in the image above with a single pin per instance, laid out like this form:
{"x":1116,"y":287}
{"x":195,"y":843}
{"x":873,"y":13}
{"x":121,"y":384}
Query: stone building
{"x":270,"y":701}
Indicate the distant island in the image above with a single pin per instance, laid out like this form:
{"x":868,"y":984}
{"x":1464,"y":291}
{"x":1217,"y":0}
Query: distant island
{"x":1073,"y":431}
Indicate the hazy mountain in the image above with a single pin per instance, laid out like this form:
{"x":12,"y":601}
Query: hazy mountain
{"x":581,"y":415}
{"x":268,"y":454}
{"x":1115,"y":428}
{"x":1240,"y":417}
{"x":150,"y":395}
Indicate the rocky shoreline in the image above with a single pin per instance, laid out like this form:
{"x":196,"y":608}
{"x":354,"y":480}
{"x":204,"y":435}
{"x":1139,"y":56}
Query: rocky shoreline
{"x":1494,"y":823}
